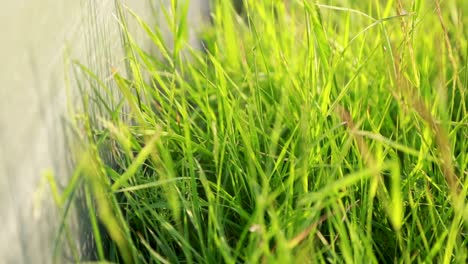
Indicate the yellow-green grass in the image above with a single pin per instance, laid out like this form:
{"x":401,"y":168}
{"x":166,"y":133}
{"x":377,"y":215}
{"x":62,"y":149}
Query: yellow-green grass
{"x":305,"y":132}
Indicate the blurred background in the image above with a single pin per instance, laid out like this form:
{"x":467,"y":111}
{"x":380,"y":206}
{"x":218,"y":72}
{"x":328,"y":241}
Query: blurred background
{"x":38,"y":41}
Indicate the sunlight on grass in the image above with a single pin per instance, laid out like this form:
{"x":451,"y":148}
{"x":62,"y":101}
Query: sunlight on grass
{"x":303,"y":133}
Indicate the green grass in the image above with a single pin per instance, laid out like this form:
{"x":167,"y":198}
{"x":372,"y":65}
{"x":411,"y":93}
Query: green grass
{"x":306,"y":132}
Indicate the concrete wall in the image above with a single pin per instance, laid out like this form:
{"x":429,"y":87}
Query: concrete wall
{"x":35,"y":37}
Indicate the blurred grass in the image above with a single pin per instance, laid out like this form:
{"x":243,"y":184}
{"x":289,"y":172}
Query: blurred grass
{"x":305,"y":132}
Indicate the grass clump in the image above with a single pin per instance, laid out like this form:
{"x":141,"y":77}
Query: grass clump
{"x":304,"y":132}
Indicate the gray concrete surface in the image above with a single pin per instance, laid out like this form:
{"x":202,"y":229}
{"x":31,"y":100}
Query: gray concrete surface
{"x":35,"y":37}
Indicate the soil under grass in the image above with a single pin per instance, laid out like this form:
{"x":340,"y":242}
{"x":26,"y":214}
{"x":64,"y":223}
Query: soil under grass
{"x":304,"y":133}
